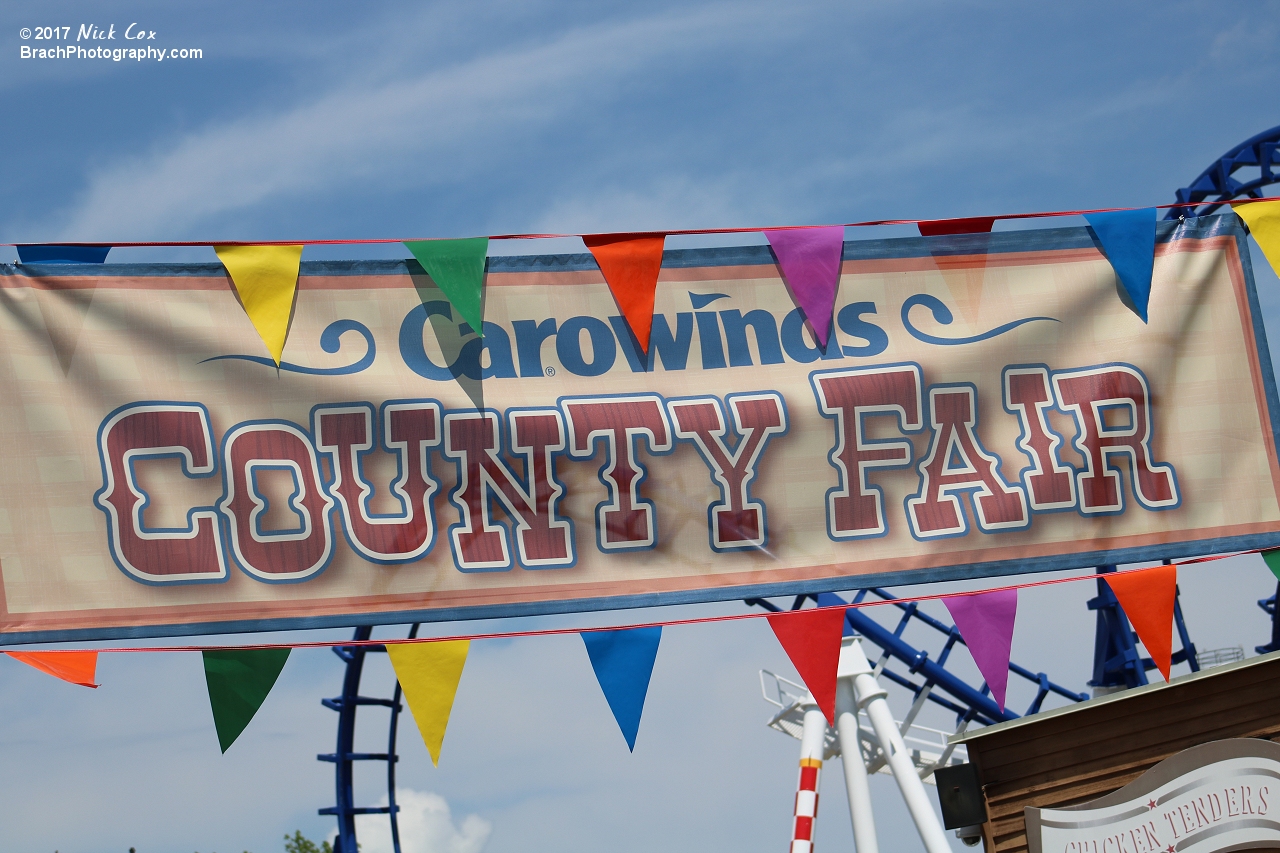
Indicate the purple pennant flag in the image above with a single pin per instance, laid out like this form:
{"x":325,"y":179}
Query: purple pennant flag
{"x":810,"y":261}
{"x":985,"y":620}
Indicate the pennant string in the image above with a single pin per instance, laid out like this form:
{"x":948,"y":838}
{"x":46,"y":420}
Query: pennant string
{"x":1232,"y":203}
{"x":693,"y":620}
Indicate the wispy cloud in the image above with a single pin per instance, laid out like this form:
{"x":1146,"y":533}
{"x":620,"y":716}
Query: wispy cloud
{"x":421,"y":130}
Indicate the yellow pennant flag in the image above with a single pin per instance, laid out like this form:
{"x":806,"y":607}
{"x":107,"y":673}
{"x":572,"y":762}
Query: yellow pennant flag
{"x":429,"y":674}
{"x":266,"y":278}
{"x":1263,"y":218}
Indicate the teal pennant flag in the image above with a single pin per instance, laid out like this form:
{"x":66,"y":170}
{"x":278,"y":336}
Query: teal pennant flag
{"x":457,"y":268}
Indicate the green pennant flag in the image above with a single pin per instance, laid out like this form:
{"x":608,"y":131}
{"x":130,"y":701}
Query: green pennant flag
{"x":457,"y":268}
{"x":239,"y":681}
{"x":1272,"y":559}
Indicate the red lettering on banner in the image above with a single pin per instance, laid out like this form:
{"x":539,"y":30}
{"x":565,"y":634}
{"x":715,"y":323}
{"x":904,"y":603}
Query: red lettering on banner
{"x":1091,"y":394}
{"x":1201,"y":813}
{"x":957,"y":462}
{"x":625,"y":521}
{"x":275,"y":555}
{"x":736,"y":521}
{"x":151,"y":431}
{"x":1050,"y":484}
{"x":543,"y":539}
{"x":346,"y":435}
{"x":855,"y":508}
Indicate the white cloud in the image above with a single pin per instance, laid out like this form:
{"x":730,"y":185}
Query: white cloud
{"x":426,"y":826}
{"x":422,"y":129}
{"x":669,"y":202}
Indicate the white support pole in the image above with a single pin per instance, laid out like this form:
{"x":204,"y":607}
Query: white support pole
{"x":871,"y":697}
{"x":812,"y":743}
{"x":855,"y":769}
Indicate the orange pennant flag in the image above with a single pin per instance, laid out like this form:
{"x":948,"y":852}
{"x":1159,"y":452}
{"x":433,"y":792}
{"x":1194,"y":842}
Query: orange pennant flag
{"x":77,"y":667}
{"x":630,"y":263}
{"x":1147,"y":597}
{"x":811,"y":638}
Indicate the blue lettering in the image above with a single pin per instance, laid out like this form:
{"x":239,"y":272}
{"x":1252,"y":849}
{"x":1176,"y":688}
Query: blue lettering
{"x":498,"y":345}
{"x":798,"y":348}
{"x":851,"y":323}
{"x":665,"y":346}
{"x":604,"y":349}
{"x":709,"y":340}
{"x":766,"y":331}
{"x":631,"y":346}
{"x":673,"y":350}
{"x":529,"y":338}
{"x":470,"y":356}
{"x":412,"y":350}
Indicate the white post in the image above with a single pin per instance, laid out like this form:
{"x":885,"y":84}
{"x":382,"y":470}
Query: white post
{"x":812,"y":743}
{"x":871,"y":697}
{"x":855,"y":770}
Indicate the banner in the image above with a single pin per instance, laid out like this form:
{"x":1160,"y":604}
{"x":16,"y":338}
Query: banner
{"x":1212,"y":797}
{"x":986,"y":404}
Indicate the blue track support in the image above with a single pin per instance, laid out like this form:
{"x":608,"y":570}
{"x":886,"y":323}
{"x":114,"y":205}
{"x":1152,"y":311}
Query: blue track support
{"x":1268,"y":606}
{"x":345,"y":809}
{"x":1116,"y":662}
{"x":984,"y":708}
{"x":1218,"y":181}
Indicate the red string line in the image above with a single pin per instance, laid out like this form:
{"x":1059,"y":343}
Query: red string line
{"x":672,"y":233}
{"x":696,"y":620}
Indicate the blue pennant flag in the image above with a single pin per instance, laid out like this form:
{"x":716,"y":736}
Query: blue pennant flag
{"x":1128,"y":239}
{"x":623,"y":662}
{"x":51,"y":254}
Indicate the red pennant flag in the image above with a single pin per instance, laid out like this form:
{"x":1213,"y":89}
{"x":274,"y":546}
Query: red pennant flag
{"x":969,"y":225}
{"x":811,"y":638}
{"x":630,"y":263}
{"x":77,"y":667}
{"x":1147,"y":597}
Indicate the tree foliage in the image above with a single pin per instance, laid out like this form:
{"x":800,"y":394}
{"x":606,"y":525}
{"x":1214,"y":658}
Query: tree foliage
{"x":299,"y":843}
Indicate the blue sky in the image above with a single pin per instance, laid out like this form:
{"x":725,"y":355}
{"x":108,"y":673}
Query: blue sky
{"x":336,"y":120}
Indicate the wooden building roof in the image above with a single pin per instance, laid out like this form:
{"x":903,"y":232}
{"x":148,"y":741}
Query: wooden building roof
{"x":1080,"y":752}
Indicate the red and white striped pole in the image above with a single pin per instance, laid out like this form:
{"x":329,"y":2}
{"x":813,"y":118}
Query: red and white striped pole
{"x":812,"y":743}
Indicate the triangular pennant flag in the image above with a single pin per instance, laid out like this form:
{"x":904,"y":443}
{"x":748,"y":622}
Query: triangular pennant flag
{"x":811,"y":638}
{"x":630,"y":263}
{"x":1272,"y":559}
{"x":1263,"y":219}
{"x":457,"y":268}
{"x":985,"y":621}
{"x":76,"y":667}
{"x":810,"y":262}
{"x":266,"y":278}
{"x":429,"y":674}
{"x":1128,"y":238}
{"x":623,"y":662}
{"x":53,"y":254}
{"x":239,"y":681}
{"x":63,"y":310}
{"x":966,"y":225}
{"x":1147,"y":597}
{"x":962,"y":265}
